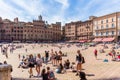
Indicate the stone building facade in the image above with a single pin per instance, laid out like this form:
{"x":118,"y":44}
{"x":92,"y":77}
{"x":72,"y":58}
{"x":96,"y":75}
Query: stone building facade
{"x":85,"y":30}
{"x":107,"y":26}
{"x":103,"y":27}
{"x":37,"y":31}
{"x":71,"y":31}
{"x":80,"y":30}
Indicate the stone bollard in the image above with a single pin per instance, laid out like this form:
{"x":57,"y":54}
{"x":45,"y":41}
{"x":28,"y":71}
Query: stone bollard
{"x":5,"y":72}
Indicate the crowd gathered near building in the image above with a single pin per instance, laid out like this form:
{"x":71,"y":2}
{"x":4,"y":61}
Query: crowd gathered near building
{"x":43,"y":63}
{"x":38,"y":62}
{"x":98,"y":29}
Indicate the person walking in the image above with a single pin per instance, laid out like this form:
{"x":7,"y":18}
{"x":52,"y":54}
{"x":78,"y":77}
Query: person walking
{"x":5,"y":52}
{"x":79,"y":61}
{"x":95,"y":53}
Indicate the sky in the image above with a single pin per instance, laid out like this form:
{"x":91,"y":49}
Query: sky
{"x":57,"y":10}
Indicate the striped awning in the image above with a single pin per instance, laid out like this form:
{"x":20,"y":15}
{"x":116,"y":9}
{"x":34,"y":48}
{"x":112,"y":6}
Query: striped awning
{"x":97,"y":39}
{"x":108,"y":39}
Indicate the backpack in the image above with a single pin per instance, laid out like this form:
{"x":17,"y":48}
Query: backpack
{"x":51,"y":75}
{"x":105,"y":60}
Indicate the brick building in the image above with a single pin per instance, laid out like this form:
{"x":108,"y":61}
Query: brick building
{"x":107,"y":27}
{"x":80,"y":30}
{"x":103,"y":28}
{"x":37,"y":31}
{"x":71,"y":31}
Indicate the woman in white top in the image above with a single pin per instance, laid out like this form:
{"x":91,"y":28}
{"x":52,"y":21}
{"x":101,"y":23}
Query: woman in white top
{"x":38,"y":64}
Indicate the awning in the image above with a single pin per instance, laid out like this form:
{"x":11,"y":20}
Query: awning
{"x":72,"y":41}
{"x":108,"y":39}
{"x":82,"y":41}
{"x":97,"y":39}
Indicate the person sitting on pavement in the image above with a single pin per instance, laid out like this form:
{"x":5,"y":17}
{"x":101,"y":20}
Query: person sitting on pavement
{"x":60,"y":68}
{"x":67,"y":64}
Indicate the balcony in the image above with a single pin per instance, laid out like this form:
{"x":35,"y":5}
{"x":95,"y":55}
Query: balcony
{"x":105,"y":35}
{"x":110,"y":28}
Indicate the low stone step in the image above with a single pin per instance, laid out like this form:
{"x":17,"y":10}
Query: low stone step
{"x":26,"y":79}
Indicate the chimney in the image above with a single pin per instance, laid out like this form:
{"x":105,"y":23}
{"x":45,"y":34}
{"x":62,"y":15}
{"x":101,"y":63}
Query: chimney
{"x":16,"y":20}
{"x":92,"y":17}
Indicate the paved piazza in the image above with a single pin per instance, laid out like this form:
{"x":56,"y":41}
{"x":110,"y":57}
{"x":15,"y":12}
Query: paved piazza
{"x":94,"y":69}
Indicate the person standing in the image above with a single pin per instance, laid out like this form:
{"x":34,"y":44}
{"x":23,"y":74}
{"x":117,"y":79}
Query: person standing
{"x":52,"y":57}
{"x":56,"y":58}
{"x":5,"y":52}
{"x":51,"y":75}
{"x":19,"y":56}
{"x":113,"y":52}
{"x":26,"y":49}
{"x":46,"y":56}
{"x":44,"y":75}
{"x":60,"y":56}
{"x":79,"y":61}
{"x":38,"y":64}
{"x":31,"y":63}
{"x":95,"y":53}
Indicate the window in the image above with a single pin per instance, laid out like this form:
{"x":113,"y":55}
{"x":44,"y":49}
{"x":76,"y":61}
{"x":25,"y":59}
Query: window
{"x":97,"y":27}
{"x":106,"y":21}
{"x":113,"y":26}
{"x":95,"y":23}
{"x":96,"y":33}
{"x":6,"y":26}
{"x":107,"y":33}
{"x":69,"y":27}
{"x":101,"y":22}
{"x":102,"y":27}
{"x":101,"y":33}
{"x":112,"y":32}
{"x":107,"y":26}
{"x":119,"y":18}
{"x":119,"y":32}
{"x":112,"y":19}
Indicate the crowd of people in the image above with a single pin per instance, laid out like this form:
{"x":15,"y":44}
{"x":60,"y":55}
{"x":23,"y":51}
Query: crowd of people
{"x":9,"y":48}
{"x":55,"y":58}
{"x":38,"y":62}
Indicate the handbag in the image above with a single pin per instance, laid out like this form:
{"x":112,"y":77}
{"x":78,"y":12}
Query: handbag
{"x":83,"y":60}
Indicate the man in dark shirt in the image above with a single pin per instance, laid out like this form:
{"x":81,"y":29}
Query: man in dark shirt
{"x":79,"y":61}
{"x":46,"y":56}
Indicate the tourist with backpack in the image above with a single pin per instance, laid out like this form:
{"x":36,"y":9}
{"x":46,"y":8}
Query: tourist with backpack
{"x":79,"y":61}
{"x":50,"y":73}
